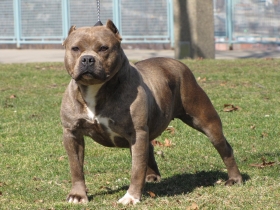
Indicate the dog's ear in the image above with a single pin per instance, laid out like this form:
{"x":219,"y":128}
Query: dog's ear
{"x":73,"y":28}
{"x":114,"y":29}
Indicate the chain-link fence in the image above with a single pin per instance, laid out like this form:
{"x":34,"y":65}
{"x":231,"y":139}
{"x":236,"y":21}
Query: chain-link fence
{"x":145,"y":21}
{"x":250,"y":21}
{"x":39,"y":21}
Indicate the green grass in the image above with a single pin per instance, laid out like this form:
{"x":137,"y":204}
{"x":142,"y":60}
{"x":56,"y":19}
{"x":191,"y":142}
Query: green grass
{"x":34,"y":171}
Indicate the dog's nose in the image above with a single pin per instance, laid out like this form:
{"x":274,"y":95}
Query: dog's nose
{"x":87,"y":60}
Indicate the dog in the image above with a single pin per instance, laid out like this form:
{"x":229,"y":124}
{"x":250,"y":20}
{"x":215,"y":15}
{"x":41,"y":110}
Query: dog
{"x":119,"y":104}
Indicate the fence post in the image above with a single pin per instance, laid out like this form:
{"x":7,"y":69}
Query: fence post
{"x":65,"y":18}
{"x":229,"y":22}
{"x":170,"y":22}
{"x":17,"y":17}
{"x":116,"y":14}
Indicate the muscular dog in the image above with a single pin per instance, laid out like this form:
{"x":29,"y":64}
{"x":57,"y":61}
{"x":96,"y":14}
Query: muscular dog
{"x":119,"y":104}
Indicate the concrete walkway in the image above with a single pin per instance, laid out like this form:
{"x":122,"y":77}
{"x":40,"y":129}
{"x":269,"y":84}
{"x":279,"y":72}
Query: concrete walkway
{"x":29,"y":56}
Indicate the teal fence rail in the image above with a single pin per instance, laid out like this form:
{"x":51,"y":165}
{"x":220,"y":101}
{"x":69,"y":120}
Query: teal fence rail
{"x":145,"y":21}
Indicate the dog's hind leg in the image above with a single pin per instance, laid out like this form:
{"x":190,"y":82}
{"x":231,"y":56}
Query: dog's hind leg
{"x":152,"y":174}
{"x":200,"y":114}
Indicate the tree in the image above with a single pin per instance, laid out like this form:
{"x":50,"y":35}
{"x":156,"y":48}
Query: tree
{"x":194,"y":29}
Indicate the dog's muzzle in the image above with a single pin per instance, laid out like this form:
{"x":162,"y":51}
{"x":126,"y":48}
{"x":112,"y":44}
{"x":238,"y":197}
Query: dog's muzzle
{"x":89,"y":69}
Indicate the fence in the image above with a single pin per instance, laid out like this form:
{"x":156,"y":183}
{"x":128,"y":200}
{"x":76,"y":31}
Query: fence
{"x":247,"y":21}
{"x":38,"y":21}
{"x":145,"y":21}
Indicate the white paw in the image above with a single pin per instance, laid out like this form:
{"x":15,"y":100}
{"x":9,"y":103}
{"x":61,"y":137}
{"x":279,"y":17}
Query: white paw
{"x":76,"y":200}
{"x":127,"y":199}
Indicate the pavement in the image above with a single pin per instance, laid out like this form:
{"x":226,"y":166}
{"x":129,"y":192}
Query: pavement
{"x":55,"y":55}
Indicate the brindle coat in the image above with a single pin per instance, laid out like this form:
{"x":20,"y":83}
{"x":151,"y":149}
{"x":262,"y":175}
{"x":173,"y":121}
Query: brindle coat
{"x":119,"y":104}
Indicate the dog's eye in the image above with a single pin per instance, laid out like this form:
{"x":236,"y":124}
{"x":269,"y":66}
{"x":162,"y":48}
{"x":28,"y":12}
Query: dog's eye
{"x":103,"y":48}
{"x":75,"y":49}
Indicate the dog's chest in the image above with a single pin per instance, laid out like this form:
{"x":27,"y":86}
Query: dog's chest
{"x":100,"y":129}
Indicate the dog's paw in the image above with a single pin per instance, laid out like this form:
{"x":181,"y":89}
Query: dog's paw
{"x":232,"y":181}
{"x":77,"y":195}
{"x":128,"y":199}
{"x":153,"y":178}
{"x":77,"y":199}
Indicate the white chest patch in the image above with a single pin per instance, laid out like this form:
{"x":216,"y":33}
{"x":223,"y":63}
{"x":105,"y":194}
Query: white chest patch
{"x":90,"y":99}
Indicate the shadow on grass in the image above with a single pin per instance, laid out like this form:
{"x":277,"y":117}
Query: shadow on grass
{"x":109,"y":191}
{"x":180,"y":183}
{"x":186,"y":183}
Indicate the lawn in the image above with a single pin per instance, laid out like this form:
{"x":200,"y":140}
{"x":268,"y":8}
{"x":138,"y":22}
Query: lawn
{"x":34,"y":171}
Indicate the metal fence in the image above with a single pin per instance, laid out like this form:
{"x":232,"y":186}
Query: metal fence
{"x":39,"y":21}
{"x":247,"y":21}
{"x":145,"y":21}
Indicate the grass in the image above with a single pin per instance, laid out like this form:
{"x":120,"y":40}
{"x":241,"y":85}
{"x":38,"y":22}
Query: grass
{"x":34,"y":171}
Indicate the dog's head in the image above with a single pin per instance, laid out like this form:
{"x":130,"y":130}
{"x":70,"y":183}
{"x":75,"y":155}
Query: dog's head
{"x":93,"y":55}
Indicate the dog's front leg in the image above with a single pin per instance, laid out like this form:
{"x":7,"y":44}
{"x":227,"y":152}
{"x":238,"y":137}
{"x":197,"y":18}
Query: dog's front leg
{"x":139,"y":152}
{"x":74,"y":145}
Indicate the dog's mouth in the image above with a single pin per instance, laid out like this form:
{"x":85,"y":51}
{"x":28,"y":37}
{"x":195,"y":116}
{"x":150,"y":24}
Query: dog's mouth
{"x":85,"y":75}
{"x":88,"y":75}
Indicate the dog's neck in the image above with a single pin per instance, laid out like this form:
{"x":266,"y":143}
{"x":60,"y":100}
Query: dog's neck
{"x":88,"y":95}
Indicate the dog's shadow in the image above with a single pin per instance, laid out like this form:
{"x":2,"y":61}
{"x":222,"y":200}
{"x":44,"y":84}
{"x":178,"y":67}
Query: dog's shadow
{"x":186,"y":182}
{"x":180,"y":183}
